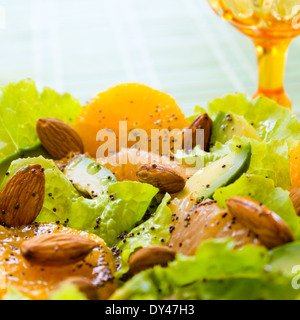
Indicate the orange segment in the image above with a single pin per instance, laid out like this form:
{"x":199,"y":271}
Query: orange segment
{"x":142,"y":107}
{"x":35,"y":281}
{"x":135,"y":158}
{"x":295,"y":166}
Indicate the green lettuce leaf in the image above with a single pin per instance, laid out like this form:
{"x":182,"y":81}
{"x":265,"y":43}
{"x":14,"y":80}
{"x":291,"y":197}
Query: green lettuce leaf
{"x":59,"y":191}
{"x":203,"y":158}
{"x":149,"y":233}
{"x":262,"y":190}
{"x":270,"y":120}
{"x":236,"y":103}
{"x":286,"y":259}
{"x":268,"y":287}
{"x":13,"y":293}
{"x":273,"y":121}
{"x":21,"y":105}
{"x":197,"y":111}
{"x":218,"y":271}
{"x":269,"y":159}
{"x":67,"y":291}
{"x":118,"y":210}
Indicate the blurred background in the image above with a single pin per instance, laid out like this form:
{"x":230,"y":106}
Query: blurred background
{"x":86,"y":46}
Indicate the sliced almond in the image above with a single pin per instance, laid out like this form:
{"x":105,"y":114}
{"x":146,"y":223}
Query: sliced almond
{"x":295,"y":198}
{"x":57,"y":249}
{"x":162,"y":176}
{"x":206,"y":220}
{"x":83,"y":284}
{"x":149,"y":257}
{"x":202,"y":122}
{"x":270,"y":228}
{"x":22,"y":197}
{"x":58,"y":137}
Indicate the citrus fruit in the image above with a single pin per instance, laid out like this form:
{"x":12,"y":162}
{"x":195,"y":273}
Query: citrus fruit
{"x":36,"y":282}
{"x":140,"y":106}
{"x":134,"y":158}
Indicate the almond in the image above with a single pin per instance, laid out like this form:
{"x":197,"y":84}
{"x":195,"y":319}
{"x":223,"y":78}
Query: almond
{"x":162,"y":176}
{"x":203,"y":122}
{"x":295,"y":198}
{"x":84,"y":285}
{"x":149,"y":257}
{"x":58,"y":137}
{"x":57,"y":249}
{"x":270,"y":228}
{"x":22,"y":197}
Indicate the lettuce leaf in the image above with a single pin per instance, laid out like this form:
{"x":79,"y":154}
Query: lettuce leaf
{"x":268,"y":287}
{"x":270,"y":120}
{"x":149,"y":233}
{"x":273,"y":121}
{"x":116,"y":211}
{"x":197,"y":111}
{"x":262,"y":190}
{"x":67,"y":291}
{"x":21,"y":105}
{"x":236,"y":103}
{"x":269,"y":159}
{"x":59,"y":191}
{"x":216,"y":272}
{"x":203,"y":158}
{"x":13,"y":293}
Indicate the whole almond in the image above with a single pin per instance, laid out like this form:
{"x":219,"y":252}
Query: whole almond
{"x":57,"y":249}
{"x":149,"y":257}
{"x":295,"y":198}
{"x":22,"y":197}
{"x":162,"y":176}
{"x":58,"y":137}
{"x":271,"y":230}
{"x":203,"y":122}
{"x":83,"y":284}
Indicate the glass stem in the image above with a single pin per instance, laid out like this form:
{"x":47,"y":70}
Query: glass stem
{"x":272,"y":56}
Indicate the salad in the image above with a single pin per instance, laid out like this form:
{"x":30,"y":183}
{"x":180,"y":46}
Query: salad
{"x":127,"y":198}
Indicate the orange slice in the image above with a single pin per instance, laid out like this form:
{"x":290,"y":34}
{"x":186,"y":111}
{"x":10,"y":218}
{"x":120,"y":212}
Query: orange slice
{"x":142,"y":107}
{"x":37,"y":282}
{"x":135,"y":158}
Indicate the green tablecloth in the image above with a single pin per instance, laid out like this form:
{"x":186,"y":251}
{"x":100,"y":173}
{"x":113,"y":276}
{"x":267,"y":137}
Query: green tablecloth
{"x":86,"y":46}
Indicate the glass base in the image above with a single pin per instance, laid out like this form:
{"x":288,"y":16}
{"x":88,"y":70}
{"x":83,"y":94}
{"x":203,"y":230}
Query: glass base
{"x":277,"y":95}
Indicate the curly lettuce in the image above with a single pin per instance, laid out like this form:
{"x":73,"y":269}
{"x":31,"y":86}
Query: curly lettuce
{"x":12,"y":293}
{"x":117,"y":210}
{"x":269,"y":159}
{"x":271,"y":120}
{"x":20,"y":106}
{"x":217,"y":271}
{"x":154,"y":231}
{"x":262,"y":190}
{"x":113,"y":213}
